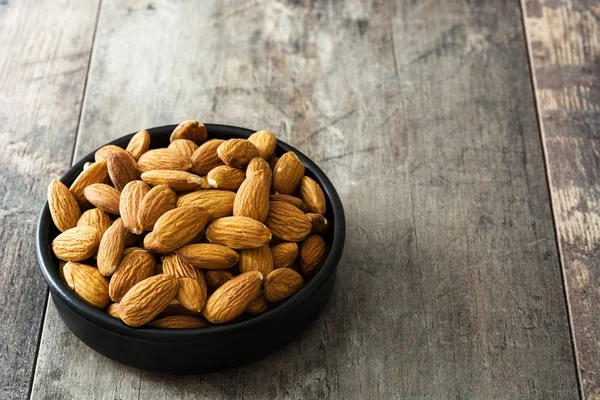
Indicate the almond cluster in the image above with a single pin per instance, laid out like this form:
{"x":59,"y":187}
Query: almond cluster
{"x":198,"y":233}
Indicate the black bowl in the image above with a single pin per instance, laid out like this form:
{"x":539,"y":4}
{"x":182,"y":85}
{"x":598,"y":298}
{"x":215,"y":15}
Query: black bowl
{"x":205,"y":349}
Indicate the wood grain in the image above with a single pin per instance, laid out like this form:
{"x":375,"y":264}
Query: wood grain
{"x":565,"y":47}
{"x":423,"y":116}
{"x":41,"y":88}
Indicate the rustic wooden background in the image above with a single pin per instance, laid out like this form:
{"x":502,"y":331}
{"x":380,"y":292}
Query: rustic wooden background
{"x":461,"y":136}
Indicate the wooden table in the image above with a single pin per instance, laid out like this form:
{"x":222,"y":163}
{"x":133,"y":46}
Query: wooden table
{"x":462,"y":137}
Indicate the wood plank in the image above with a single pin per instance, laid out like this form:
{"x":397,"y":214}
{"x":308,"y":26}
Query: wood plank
{"x":44,"y":58}
{"x":423,"y":117}
{"x":564,"y":42}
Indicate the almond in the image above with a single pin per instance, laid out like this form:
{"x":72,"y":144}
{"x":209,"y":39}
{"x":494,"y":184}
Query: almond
{"x":179,"y":322}
{"x":87,"y":283}
{"x":259,"y":164}
{"x":252,"y":198}
{"x":265,"y":143}
{"x":237,"y":152}
{"x":122,"y":169}
{"x":258,"y":259}
{"x":178,"y":227}
{"x":258,"y":304}
{"x":238,"y":232}
{"x":63,"y":206}
{"x":312,"y":251}
{"x":192,"y":293}
{"x":176,"y":308}
{"x":313,"y":195}
{"x":96,"y":173}
{"x":111,"y":248}
{"x":155,"y":203}
{"x":319,"y":223}
{"x":113,"y":310}
{"x":95,"y":218}
{"x":146,"y":299}
{"x":135,"y":267}
{"x":129,"y":205}
{"x":184,"y":147}
{"x":215,"y":278}
{"x":231,"y":299}
{"x":226,"y":177}
{"x":103,"y":153}
{"x":104,"y":197}
{"x":218,"y":203}
{"x":208,"y":256}
{"x":206,"y":158}
{"x":131,"y":239}
{"x":284,"y":254}
{"x":273,"y":162}
{"x":192,"y":130}
{"x":76,"y":244}
{"x":287,"y":173}
{"x":87,"y":165}
{"x":139,"y":144}
{"x":129,"y":250}
{"x":281,"y":284}
{"x":175,"y":265}
{"x":287,"y":222}
{"x":205,"y":185}
{"x":163,"y":159}
{"x":179,"y":181}
{"x":293,"y":200}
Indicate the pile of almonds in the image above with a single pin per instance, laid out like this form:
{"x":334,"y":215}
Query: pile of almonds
{"x":194,"y":234}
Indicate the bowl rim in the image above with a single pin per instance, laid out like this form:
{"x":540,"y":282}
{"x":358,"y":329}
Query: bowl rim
{"x":102,"y":320}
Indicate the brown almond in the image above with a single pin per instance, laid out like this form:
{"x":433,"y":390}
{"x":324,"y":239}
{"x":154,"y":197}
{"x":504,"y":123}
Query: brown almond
{"x":287,"y":173}
{"x":163,"y":159}
{"x":122,"y":169}
{"x":176,"y":308}
{"x":192,"y":130}
{"x":258,"y":259}
{"x":284,"y":254}
{"x":265,"y":142}
{"x":206,"y":158}
{"x":258,"y":305}
{"x":129,"y":205}
{"x":231,"y":299}
{"x":104,"y":197}
{"x":139,"y":144}
{"x":156,"y":202}
{"x":184,"y":147}
{"x":95,"y":218}
{"x":111,"y":248}
{"x":208,"y":256}
{"x":215,"y":278}
{"x":87,"y":165}
{"x":237,"y":152}
{"x":252,"y":198}
{"x":192,"y":293}
{"x":76,"y":244}
{"x":313,"y":195}
{"x":273,"y":162}
{"x":148,"y":298}
{"x":179,"y":322}
{"x":218,"y":203}
{"x":226,"y":178}
{"x":312,"y":251}
{"x":96,"y":173}
{"x":293,"y":200}
{"x":238,"y":232}
{"x":87,"y":283}
{"x":129,"y":250}
{"x":281,"y":284}
{"x":287,"y":222}
{"x":175,"y":265}
{"x":113,"y":310}
{"x":135,"y":267}
{"x":63,"y":206}
{"x":319,"y":223}
{"x":259,"y":164}
{"x":180,"y":181}
{"x":103,"y":153}
{"x":178,"y":227}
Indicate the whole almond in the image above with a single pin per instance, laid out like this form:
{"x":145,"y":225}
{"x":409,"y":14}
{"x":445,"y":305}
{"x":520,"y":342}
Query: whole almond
{"x":103,"y":153}
{"x":111,"y":248}
{"x":208,"y":256}
{"x":319,"y":223}
{"x":284,"y":254}
{"x":293,"y":200}
{"x":87,"y":283}
{"x":134,"y":267}
{"x":139,"y":144}
{"x":87,"y":165}
{"x":313,"y":195}
{"x":218,"y":203}
{"x":184,"y":147}
{"x":76,"y":244}
{"x":122,"y":169}
{"x":96,"y":218}
{"x":104,"y":197}
{"x":259,"y":164}
{"x":192,"y":130}
{"x":281,"y":284}
{"x":226,"y":177}
{"x":231,"y":299}
{"x":179,"y":181}
{"x":252,"y":198}
{"x":129,"y":250}
{"x":155,"y":203}
{"x":238,"y":232}
{"x":287,"y":173}
{"x":206,"y":158}
{"x":146,"y":299}
{"x":258,"y":304}
{"x":113,"y":310}
{"x":175,"y":265}
{"x":265,"y":143}
{"x":312,"y":251}
{"x":178,"y":227}
{"x":179,"y":322}
{"x":96,"y":173}
{"x":176,"y":308}
{"x":287,"y":222}
{"x":258,"y":259}
{"x":129,"y":205}
{"x":163,"y":159}
{"x":237,"y":152}
{"x":63,"y":206}
{"x":192,"y":293}
{"x":215,"y":278}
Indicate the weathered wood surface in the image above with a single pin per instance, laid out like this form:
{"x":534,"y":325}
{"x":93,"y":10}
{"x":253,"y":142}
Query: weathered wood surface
{"x":44,"y":55}
{"x":565,"y":48}
{"x":423,"y":116}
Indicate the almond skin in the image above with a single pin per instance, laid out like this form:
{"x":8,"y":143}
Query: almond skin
{"x":163,"y":159}
{"x":184,"y":147}
{"x":135,"y":267}
{"x":104,"y":197}
{"x":287,"y":222}
{"x":176,"y":308}
{"x":287,"y":173}
{"x":312,"y":251}
{"x":139,"y":144}
{"x":103,"y":153}
{"x":87,"y":283}
{"x":206,"y":158}
{"x":226,"y":178}
{"x":122,"y":169}
{"x":319,"y":223}
{"x":284,"y":254}
{"x":313,"y":195}
{"x":179,"y":181}
{"x":215,"y":278}
{"x":179,"y":322}
{"x":76,"y":244}
{"x":129,"y":205}
{"x":208,"y":256}
{"x":258,"y":259}
{"x":178,"y":227}
{"x":111,"y":248}
{"x":95,"y":173}
{"x":238,"y":232}
{"x":258,"y":304}
{"x":155,"y":203}
{"x":63,"y":206}
{"x":281,"y":284}
{"x":293,"y":200}
{"x":192,"y":293}
{"x":231,"y":299}
{"x":237,"y":152}
{"x":259,"y":164}
{"x":95,"y":218}
{"x":218,"y":203}
{"x":148,"y":298}
{"x":175,"y":265}
{"x":113,"y":310}
{"x":192,"y":130}
{"x":252,"y":198}
{"x":273,"y":162}
{"x":265,"y":143}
